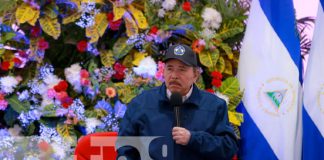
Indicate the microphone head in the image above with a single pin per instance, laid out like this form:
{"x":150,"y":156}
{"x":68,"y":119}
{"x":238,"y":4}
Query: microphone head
{"x":176,"y":99}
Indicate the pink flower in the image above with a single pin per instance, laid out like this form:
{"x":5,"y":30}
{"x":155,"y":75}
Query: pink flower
{"x":85,"y":82}
{"x":3,"y":104}
{"x":51,"y":93}
{"x":159,"y":73}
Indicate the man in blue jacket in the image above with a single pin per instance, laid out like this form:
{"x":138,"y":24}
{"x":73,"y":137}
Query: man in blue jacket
{"x":204,"y":131}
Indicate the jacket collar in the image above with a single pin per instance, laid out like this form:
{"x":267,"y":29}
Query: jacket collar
{"x":193,"y":99}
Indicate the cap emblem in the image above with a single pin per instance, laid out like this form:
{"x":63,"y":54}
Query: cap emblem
{"x":179,"y":50}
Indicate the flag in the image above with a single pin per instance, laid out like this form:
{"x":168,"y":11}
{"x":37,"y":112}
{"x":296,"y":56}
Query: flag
{"x":313,"y":110}
{"x":270,"y":77}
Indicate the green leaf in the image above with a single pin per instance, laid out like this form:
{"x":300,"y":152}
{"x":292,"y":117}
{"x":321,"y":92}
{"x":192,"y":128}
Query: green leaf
{"x":220,"y":65}
{"x":209,"y":59}
{"x":67,"y":132}
{"x":17,"y":105}
{"x":200,"y":83}
{"x":121,"y":48}
{"x":7,"y":5}
{"x":229,"y":30}
{"x":51,"y":10}
{"x":230,"y":86}
{"x":49,"y":111}
{"x":8,"y":36}
{"x":10,"y":116}
{"x":31,"y":129}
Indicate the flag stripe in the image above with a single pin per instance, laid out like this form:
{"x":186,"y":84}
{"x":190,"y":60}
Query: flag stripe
{"x":271,"y":124}
{"x":313,"y":112}
{"x":282,"y":21}
{"x":322,"y":2}
{"x":313,"y":142}
{"x":253,"y":139}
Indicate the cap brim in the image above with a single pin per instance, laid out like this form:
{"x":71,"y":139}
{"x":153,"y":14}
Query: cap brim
{"x":186,"y":63}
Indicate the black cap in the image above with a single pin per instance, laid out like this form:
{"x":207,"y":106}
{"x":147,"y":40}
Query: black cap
{"x":183,"y":53}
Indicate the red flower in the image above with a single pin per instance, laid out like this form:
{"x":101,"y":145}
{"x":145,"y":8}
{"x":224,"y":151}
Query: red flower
{"x":82,"y":46}
{"x":119,"y":69}
{"x":17,"y":61}
{"x":216,"y":82}
{"x":5,"y":65}
{"x":186,"y":6}
{"x":154,"y":30}
{"x":35,"y":31}
{"x":66,"y":102}
{"x":84,"y":73}
{"x":110,"y":16}
{"x":114,"y":25}
{"x":61,"y":86}
{"x":42,"y":44}
{"x":217,"y":75}
{"x":210,"y":90}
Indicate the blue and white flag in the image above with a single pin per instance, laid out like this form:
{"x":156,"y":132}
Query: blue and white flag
{"x":313,"y":112}
{"x":270,"y":77}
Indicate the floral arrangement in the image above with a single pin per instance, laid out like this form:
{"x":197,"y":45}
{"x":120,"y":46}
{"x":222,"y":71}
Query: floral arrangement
{"x":69,"y":67}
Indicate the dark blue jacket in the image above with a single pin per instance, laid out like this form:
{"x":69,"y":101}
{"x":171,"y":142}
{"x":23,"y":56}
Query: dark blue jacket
{"x":203,"y":114}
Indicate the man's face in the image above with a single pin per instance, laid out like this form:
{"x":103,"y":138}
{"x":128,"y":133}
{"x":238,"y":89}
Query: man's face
{"x":178,"y":76}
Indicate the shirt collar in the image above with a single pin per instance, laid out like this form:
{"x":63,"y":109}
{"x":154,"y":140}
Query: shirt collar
{"x":184,"y":98}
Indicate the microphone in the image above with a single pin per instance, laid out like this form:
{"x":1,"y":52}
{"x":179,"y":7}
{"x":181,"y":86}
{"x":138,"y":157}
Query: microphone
{"x":176,"y":102}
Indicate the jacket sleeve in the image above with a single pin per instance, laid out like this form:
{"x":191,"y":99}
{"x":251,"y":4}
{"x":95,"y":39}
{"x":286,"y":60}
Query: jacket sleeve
{"x":221,"y":144}
{"x":128,"y":128}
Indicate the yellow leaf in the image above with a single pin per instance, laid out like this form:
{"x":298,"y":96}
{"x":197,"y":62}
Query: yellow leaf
{"x":71,"y":18}
{"x":107,"y":58}
{"x":33,"y":21}
{"x":67,"y":132}
{"x":96,"y":1}
{"x":235,"y":118}
{"x":92,"y":33}
{"x":138,"y":57}
{"x":139,"y":17}
{"x":101,"y":23}
{"x":118,"y":12}
{"x":228,"y":68}
{"x":50,"y":26}
{"x":25,"y":13}
{"x":131,"y":27}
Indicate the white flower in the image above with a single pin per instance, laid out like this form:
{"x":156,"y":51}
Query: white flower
{"x":59,"y":151}
{"x":72,"y":75}
{"x":212,"y":18}
{"x":169,"y":4}
{"x":51,"y":80}
{"x":222,"y":96}
{"x":146,"y":68}
{"x":91,"y":124}
{"x":161,"y":13}
{"x":7,"y":84}
{"x":155,"y":1}
{"x":207,"y":33}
